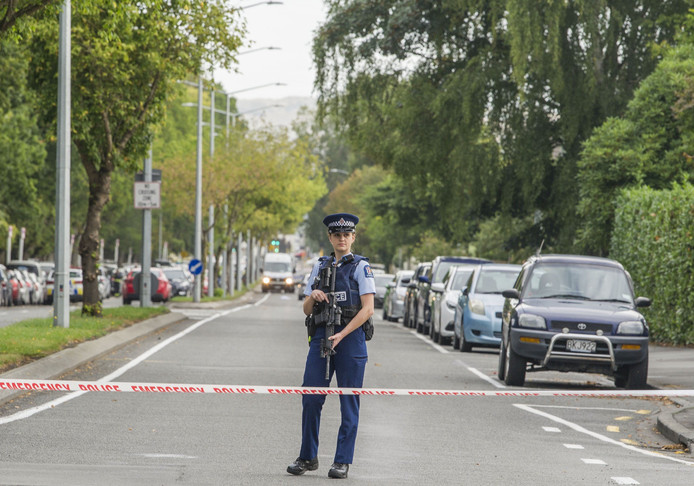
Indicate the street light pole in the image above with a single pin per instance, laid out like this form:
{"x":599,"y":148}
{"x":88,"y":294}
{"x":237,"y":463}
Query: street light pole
{"x":198,"y":196}
{"x":61,"y":294}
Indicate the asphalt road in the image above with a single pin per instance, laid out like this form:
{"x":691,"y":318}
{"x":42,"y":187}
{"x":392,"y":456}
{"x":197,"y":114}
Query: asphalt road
{"x":145,"y":439}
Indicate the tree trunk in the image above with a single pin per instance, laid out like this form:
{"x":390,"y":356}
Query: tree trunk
{"x":99,"y":193}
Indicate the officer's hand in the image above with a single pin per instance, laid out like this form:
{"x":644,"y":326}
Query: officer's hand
{"x":319,"y":296}
{"x":336,"y":338}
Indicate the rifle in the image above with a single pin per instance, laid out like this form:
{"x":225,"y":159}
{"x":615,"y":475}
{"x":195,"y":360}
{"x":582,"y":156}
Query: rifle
{"x":334,"y":318}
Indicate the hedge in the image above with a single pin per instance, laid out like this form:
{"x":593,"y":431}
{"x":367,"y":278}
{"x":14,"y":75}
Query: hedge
{"x":653,"y":237}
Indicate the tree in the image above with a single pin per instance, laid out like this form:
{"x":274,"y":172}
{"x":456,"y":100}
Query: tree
{"x":13,"y":11}
{"x":483,"y":105}
{"x":261,"y":180}
{"x":22,"y":153}
{"x":126,"y":59}
{"x":651,"y":145}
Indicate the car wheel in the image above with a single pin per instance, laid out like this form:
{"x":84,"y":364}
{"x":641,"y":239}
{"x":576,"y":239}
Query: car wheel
{"x":465,"y":346}
{"x":636,"y":376}
{"x":514,"y":371}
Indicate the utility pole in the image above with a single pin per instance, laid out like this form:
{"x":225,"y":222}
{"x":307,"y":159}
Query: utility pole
{"x":197,"y":290}
{"x":145,"y":274}
{"x":61,"y":291}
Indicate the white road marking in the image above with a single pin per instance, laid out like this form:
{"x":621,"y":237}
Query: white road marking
{"x":120,"y":371}
{"x":426,"y":339}
{"x":587,"y":408}
{"x":167,"y":456}
{"x":598,"y":462}
{"x":601,"y":437}
{"x":477,"y":372}
{"x":624,"y":480}
{"x":551,"y":429}
{"x":574,"y":446}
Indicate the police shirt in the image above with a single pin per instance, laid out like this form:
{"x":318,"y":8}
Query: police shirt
{"x":363,"y":275}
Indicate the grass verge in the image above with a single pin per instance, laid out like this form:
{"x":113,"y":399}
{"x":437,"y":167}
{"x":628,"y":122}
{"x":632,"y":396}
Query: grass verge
{"x":35,"y":338}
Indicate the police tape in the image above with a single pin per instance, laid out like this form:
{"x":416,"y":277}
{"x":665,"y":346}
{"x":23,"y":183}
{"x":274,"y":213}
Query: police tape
{"x":105,"y":386}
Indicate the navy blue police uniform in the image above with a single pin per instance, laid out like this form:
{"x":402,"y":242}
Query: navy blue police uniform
{"x":353,"y":279}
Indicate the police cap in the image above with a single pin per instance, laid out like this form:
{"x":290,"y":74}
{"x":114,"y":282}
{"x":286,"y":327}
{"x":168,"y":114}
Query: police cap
{"x":340,"y":222}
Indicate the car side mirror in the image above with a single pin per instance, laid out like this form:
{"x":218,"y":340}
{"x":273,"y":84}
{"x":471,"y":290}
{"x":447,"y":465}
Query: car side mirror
{"x":412,"y":285}
{"x":405,"y":281}
{"x":437,"y":287}
{"x":511,"y":294}
{"x":642,"y":302}
{"x":465,"y":291}
{"x":424,"y":279}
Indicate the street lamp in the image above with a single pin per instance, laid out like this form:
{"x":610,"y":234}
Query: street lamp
{"x":269,"y":2}
{"x":256,"y":49}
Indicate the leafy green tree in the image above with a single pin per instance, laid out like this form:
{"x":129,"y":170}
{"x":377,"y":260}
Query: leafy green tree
{"x":14,"y":11}
{"x":651,"y":145}
{"x":126,"y":59}
{"x":484,"y":105}
{"x":22,"y":155}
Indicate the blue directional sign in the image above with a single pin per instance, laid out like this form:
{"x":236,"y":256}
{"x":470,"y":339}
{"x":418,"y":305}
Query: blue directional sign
{"x":195,"y":266}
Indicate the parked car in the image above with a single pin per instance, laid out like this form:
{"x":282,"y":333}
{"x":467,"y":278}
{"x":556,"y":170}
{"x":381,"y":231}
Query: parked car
{"x":160,"y":286}
{"x":574,"y":313}
{"x":394,"y":303}
{"x":17,"y":291}
{"x":381,"y":280}
{"x":410,"y":302}
{"x":425,"y":296}
{"x":477,"y":320}
{"x":5,"y":287}
{"x":104,"y":283}
{"x":180,"y":285}
{"x":35,"y":288}
{"x":445,"y":298}
{"x":76,"y":285}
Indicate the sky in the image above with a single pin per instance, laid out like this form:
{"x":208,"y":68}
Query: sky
{"x":289,"y":26}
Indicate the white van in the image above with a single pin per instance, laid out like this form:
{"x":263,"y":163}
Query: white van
{"x":278,"y":270}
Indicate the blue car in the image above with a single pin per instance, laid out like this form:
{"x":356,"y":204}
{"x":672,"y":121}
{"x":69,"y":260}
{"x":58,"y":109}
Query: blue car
{"x":477,"y":319}
{"x":574,"y":313}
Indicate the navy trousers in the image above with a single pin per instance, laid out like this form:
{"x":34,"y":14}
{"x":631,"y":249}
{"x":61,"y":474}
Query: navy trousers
{"x":348,"y":364}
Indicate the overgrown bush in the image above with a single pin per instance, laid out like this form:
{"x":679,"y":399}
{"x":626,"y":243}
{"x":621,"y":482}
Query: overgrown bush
{"x":653,"y":238}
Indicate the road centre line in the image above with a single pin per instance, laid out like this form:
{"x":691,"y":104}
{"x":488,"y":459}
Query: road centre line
{"x":120,"y":371}
{"x":583,"y":430}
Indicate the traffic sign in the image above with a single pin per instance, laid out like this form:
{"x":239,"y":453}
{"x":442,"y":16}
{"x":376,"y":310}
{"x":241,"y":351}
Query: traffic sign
{"x":195,"y":266}
{"x":147,"y":195}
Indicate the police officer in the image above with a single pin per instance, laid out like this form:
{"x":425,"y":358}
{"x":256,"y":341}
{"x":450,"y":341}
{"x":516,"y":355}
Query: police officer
{"x":354,"y":293}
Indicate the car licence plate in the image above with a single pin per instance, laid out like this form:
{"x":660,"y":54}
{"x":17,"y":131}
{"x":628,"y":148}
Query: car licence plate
{"x":580,"y":346}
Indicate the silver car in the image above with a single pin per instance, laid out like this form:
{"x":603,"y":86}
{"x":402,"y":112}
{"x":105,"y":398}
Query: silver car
{"x":381,"y":281}
{"x":393,"y":306}
{"x":445,"y":299}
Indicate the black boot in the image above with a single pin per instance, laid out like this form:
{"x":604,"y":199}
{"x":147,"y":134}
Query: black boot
{"x":300,"y":466}
{"x":338,"y":470}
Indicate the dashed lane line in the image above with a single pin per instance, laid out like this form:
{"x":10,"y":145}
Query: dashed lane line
{"x":583,"y":430}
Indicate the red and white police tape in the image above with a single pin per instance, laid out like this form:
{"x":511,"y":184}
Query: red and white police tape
{"x":104,"y":386}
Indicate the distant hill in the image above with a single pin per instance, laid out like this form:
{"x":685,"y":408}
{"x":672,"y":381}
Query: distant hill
{"x":261,"y":110}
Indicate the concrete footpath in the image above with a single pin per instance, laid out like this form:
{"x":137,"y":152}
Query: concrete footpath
{"x":670,"y":368}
